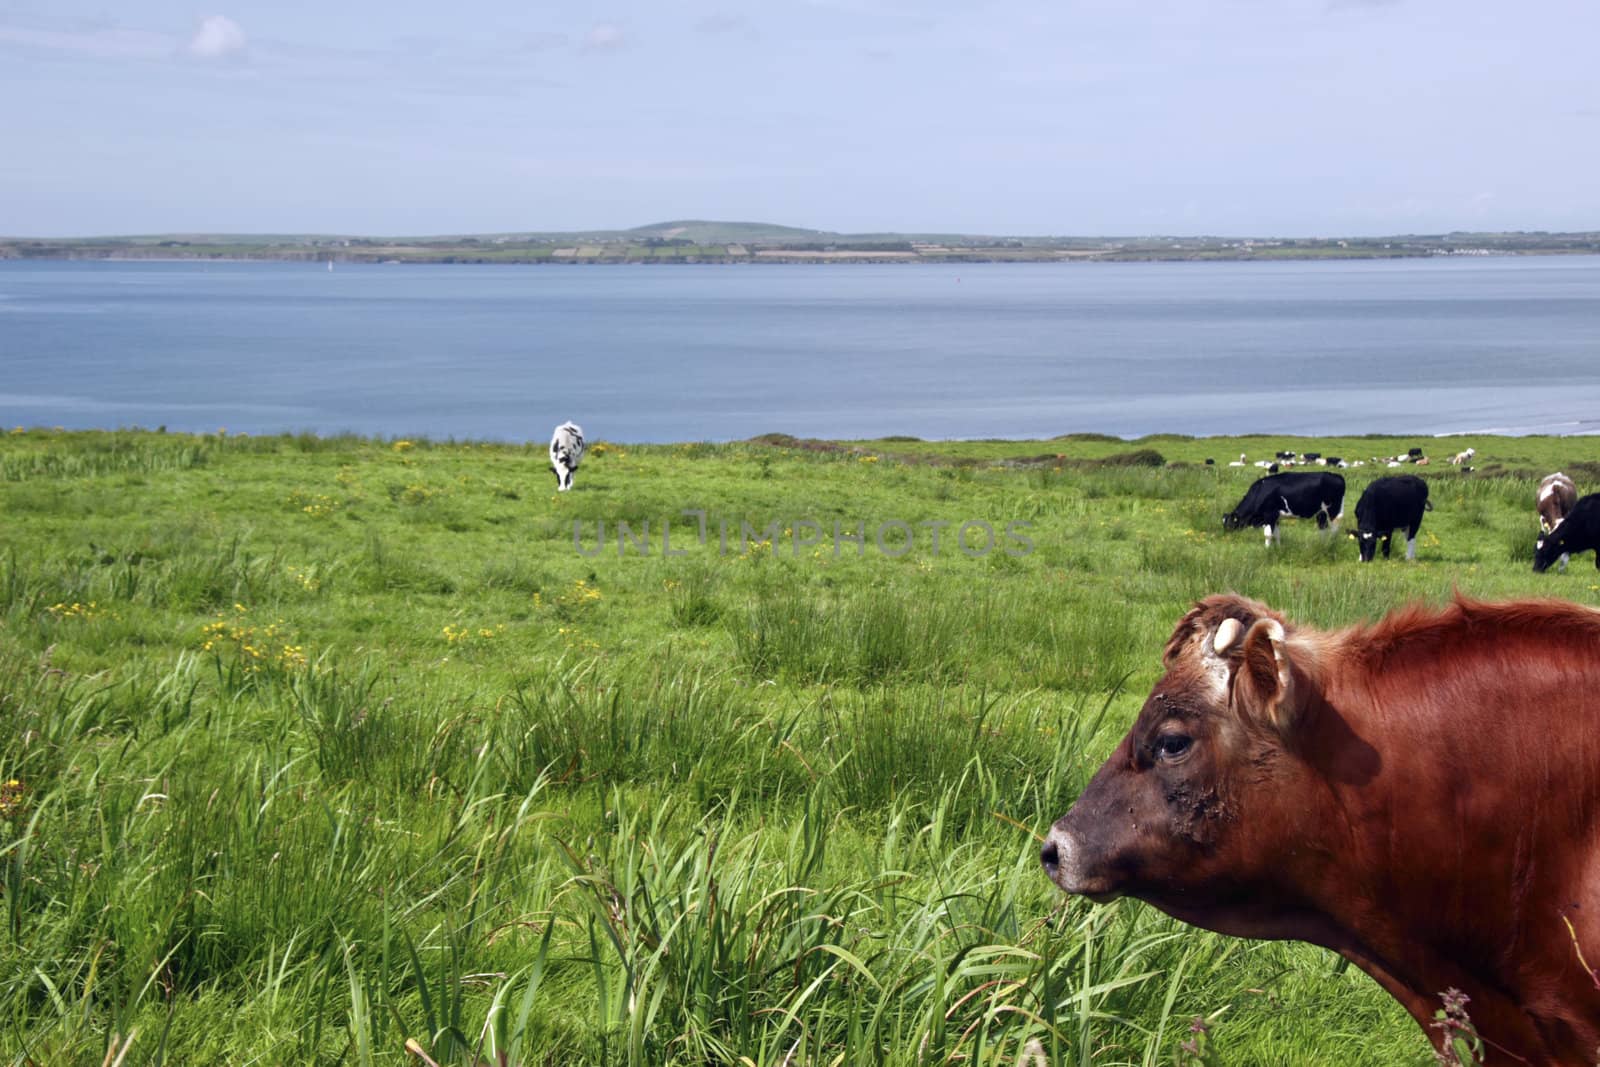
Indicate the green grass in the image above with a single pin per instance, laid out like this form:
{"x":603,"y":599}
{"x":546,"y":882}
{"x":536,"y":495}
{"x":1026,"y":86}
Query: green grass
{"x":324,"y":744}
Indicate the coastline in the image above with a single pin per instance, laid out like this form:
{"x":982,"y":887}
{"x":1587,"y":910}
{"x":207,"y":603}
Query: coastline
{"x":778,"y":258}
{"x":720,"y":244}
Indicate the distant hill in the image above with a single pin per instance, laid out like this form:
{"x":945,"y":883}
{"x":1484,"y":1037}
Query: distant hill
{"x":704,"y":232}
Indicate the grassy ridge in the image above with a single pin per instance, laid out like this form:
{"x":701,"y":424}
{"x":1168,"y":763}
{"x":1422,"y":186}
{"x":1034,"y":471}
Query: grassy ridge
{"x":323,"y":744}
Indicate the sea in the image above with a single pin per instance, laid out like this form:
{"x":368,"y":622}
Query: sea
{"x":722,"y":352}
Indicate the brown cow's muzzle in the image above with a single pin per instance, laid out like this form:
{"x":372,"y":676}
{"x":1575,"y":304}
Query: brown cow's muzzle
{"x":1064,"y":858}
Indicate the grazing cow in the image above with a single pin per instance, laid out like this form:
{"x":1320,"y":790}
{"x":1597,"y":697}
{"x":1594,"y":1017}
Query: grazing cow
{"x":566,"y":452}
{"x":1285,"y":455}
{"x":1555,"y":500}
{"x":1418,"y":795}
{"x":1578,"y":532}
{"x":1462,"y":457}
{"x":1556,"y":497}
{"x":1387,"y":505}
{"x":1334,"y":461}
{"x":1316,"y":495}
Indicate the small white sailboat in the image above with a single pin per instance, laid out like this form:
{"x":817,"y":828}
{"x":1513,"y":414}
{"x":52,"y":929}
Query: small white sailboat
{"x":330,"y":266}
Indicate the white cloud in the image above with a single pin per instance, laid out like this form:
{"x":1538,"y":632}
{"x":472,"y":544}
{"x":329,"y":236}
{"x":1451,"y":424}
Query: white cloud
{"x":218,"y":36}
{"x":603,"y":37}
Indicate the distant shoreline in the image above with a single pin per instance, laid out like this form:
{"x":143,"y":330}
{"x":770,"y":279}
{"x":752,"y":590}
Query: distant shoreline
{"x":697,"y":242}
{"x":780,"y":259}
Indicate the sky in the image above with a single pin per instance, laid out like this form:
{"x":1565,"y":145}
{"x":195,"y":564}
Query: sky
{"x":1081,"y":117}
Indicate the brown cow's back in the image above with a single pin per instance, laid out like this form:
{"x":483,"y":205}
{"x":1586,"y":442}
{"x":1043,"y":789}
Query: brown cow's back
{"x":1489,"y":718}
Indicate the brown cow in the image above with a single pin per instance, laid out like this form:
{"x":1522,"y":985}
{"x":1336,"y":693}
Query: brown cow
{"x":1421,"y":795}
{"x":1556,"y":498}
{"x":1557,"y":494}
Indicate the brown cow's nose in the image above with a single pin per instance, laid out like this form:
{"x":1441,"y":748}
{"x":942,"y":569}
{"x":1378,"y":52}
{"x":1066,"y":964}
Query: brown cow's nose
{"x":1050,"y":858}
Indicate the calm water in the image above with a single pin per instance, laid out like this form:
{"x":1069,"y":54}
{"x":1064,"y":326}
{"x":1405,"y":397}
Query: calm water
{"x":677,"y":353}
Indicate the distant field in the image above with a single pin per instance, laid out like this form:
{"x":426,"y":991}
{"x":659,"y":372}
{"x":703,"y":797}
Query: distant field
{"x":322,"y":744}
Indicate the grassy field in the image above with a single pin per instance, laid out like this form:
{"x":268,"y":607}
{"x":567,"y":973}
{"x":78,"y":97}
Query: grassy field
{"x":313,"y":746}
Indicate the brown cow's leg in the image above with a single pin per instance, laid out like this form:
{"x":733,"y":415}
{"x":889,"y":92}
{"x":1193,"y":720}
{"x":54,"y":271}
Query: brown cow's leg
{"x":1421,"y":1008}
{"x":1509,"y":1036}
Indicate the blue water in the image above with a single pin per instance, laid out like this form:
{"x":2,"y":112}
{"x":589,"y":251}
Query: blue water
{"x":721,"y":352}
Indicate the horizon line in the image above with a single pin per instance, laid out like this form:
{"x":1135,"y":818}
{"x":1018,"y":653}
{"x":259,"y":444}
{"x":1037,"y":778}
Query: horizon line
{"x":643,"y":231}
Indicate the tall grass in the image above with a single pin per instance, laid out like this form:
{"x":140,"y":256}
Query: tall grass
{"x":445,"y":781}
{"x":96,"y":456}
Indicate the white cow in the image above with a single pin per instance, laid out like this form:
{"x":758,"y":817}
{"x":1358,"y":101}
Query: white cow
{"x":566,"y":452}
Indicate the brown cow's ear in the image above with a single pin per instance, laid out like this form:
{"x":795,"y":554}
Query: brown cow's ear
{"x":1263,"y":686}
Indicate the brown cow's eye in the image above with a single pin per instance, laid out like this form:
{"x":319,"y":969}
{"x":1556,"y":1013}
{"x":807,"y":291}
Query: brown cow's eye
{"x":1173,"y":746}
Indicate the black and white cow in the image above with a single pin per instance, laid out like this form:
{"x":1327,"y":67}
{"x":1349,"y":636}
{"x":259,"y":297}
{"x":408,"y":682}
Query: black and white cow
{"x":1578,"y":532}
{"x":1556,"y":498}
{"x":1387,"y":505}
{"x":566,"y":452}
{"x":1316,"y":495}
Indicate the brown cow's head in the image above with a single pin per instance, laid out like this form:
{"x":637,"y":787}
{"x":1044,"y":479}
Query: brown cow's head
{"x":1178,"y":815}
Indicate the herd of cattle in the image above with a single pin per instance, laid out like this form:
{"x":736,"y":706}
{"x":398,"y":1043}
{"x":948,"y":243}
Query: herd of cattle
{"x":1389,"y":504}
{"x":1397,"y":503}
{"x":1282,"y":460}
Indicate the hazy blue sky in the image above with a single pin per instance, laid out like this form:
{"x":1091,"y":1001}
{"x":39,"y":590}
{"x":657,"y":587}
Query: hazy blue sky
{"x":1055,"y":116}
